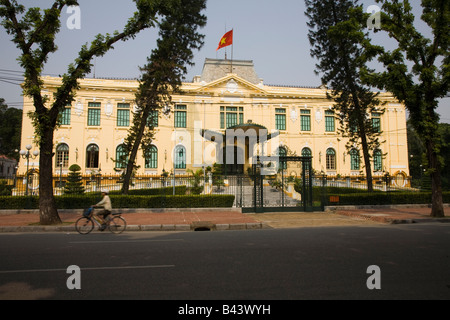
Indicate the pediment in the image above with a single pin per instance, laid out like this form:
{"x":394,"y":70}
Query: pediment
{"x":231,"y":85}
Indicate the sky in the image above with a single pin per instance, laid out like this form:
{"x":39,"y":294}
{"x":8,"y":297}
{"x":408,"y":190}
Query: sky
{"x":271,"y":33}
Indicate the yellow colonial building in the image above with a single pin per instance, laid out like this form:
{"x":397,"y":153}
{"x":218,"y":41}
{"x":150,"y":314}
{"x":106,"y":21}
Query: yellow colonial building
{"x":191,"y":133}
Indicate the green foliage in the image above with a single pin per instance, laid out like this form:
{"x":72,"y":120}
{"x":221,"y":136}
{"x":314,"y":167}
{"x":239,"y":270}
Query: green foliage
{"x":5,"y":189}
{"x":177,"y":201}
{"x":125,"y":201}
{"x":10,"y":130}
{"x":19,"y":202}
{"x":162,"y":75}
{"x":417,"y":73}
{"x":338,"y":40}
{"x":197,"y":187}
{"x":444,"y":131}
{"x":217,"y":175}
{"x":34,"y":31}
{"x":74,"y":184}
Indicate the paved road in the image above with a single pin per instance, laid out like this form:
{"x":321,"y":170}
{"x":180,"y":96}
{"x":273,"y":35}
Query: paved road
{"x":302,"y":263}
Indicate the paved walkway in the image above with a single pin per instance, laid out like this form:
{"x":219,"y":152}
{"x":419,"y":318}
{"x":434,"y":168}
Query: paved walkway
{"x":232,"y":219}
{"x":395,"y":214}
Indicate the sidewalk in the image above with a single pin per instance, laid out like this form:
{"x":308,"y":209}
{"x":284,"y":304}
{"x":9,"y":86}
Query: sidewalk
{"x":230,"y":219}
{"x":393,"y":214}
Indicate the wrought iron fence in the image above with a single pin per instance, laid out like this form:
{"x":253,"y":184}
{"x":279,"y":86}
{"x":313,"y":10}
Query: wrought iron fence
{"x":279,"y":190}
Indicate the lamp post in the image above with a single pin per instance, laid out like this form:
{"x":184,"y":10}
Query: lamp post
{"x":60,"y":175}
{"x":26,"y":154}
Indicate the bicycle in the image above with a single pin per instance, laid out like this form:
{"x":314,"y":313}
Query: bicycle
{"x":115,"y":223}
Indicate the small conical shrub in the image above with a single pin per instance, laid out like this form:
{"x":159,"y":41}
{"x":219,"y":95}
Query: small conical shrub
{"x":74,"y":184}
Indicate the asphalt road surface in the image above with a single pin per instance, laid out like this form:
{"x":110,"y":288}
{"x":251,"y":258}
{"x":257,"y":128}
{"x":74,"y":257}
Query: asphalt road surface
{"x":411,"y":262}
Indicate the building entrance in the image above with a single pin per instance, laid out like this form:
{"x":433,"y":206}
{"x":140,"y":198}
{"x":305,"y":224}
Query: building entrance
{"x":283,"y":186}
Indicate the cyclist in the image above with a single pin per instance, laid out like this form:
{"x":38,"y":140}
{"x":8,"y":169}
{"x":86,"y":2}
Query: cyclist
{"x":105,"y":203}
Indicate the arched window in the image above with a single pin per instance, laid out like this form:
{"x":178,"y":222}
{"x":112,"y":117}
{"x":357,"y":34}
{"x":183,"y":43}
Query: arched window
{"x":121,"y":157}
{"x":151,"y":158}
{"x":180,"y":157}
{"x":282,"y":152}
{"x":306,"y":152}
{"x":92,"y":156}
{"x":331,"y":159}
{"x":354,"y":159}
{"x":62,"y":156}
{"x":377,"y":160}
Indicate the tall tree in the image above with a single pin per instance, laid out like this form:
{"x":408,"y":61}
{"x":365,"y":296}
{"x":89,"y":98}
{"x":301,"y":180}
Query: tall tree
{"x":34,"y":33}
{"x":417,"y":72}
{"x":162,"y":75}
{"x":337,"y":37}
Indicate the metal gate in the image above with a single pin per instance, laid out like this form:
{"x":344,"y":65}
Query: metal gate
{"x":286,"y":186}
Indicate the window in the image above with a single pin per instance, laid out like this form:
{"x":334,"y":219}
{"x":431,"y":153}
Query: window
{"x":65,"y":116}
{"x":282,"y":152}
{"x":153,"y":118}
{"x":353,"y":127}
{"x":121,"y":157}
{"x":123,"y":114}
{"x":231,"y":116}
{"x":62,"y":156}
{"x":92,"y":152}
{"x":180,"y":116}
{"x":306,"y":152}
{"x":305,"y":120}
{"x":377,"y":160}
{"x":280,"y":119}
{"x":331,"y":159}
{"x":94,"y":113}
{"x":376,"y":122}
{"x":151,"y":158}
{"x":329,"y":121}
{"x":180,"y":157}
{"x":354,"y":159}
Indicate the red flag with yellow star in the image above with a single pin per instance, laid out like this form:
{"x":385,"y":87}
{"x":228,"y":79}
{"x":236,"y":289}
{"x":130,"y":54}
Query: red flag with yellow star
{"x":227,"y":40}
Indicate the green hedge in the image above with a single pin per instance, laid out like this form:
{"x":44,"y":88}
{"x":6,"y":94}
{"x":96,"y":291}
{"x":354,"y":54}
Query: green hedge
{"x":380,"y":198}
{"x":124,"y":201}
{"x":177,"y":201}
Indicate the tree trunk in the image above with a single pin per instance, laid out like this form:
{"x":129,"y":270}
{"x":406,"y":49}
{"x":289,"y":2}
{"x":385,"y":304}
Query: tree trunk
{"x":363,"y":136}
{"x":368,"y":166}
{"x":437,"y":205}
{"x":48,"y":213}
{"x":134,"y":151}
{"x":366,"y":156}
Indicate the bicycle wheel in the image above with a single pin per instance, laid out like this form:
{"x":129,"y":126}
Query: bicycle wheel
{"x":117,"y":224}
{"x":84,"y":225}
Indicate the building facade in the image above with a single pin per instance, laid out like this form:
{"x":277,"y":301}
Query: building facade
{"x":298,"y":121}
{"x":7,"y":167}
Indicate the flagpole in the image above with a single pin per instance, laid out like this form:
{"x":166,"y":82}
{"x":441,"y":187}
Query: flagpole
{"x":232,"y":47}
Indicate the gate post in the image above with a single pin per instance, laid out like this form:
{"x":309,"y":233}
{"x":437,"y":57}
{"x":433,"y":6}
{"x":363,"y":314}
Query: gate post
{"x":324,"y":191}
{"x":258,"y":204}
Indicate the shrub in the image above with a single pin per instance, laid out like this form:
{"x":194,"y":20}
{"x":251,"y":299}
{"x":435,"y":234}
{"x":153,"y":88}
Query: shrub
{"x":5,"y":189}
{"x":74,"y":184}
{"x":19,"y":202}
{"x":124,"y":201}
{"x":380,"y":198}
